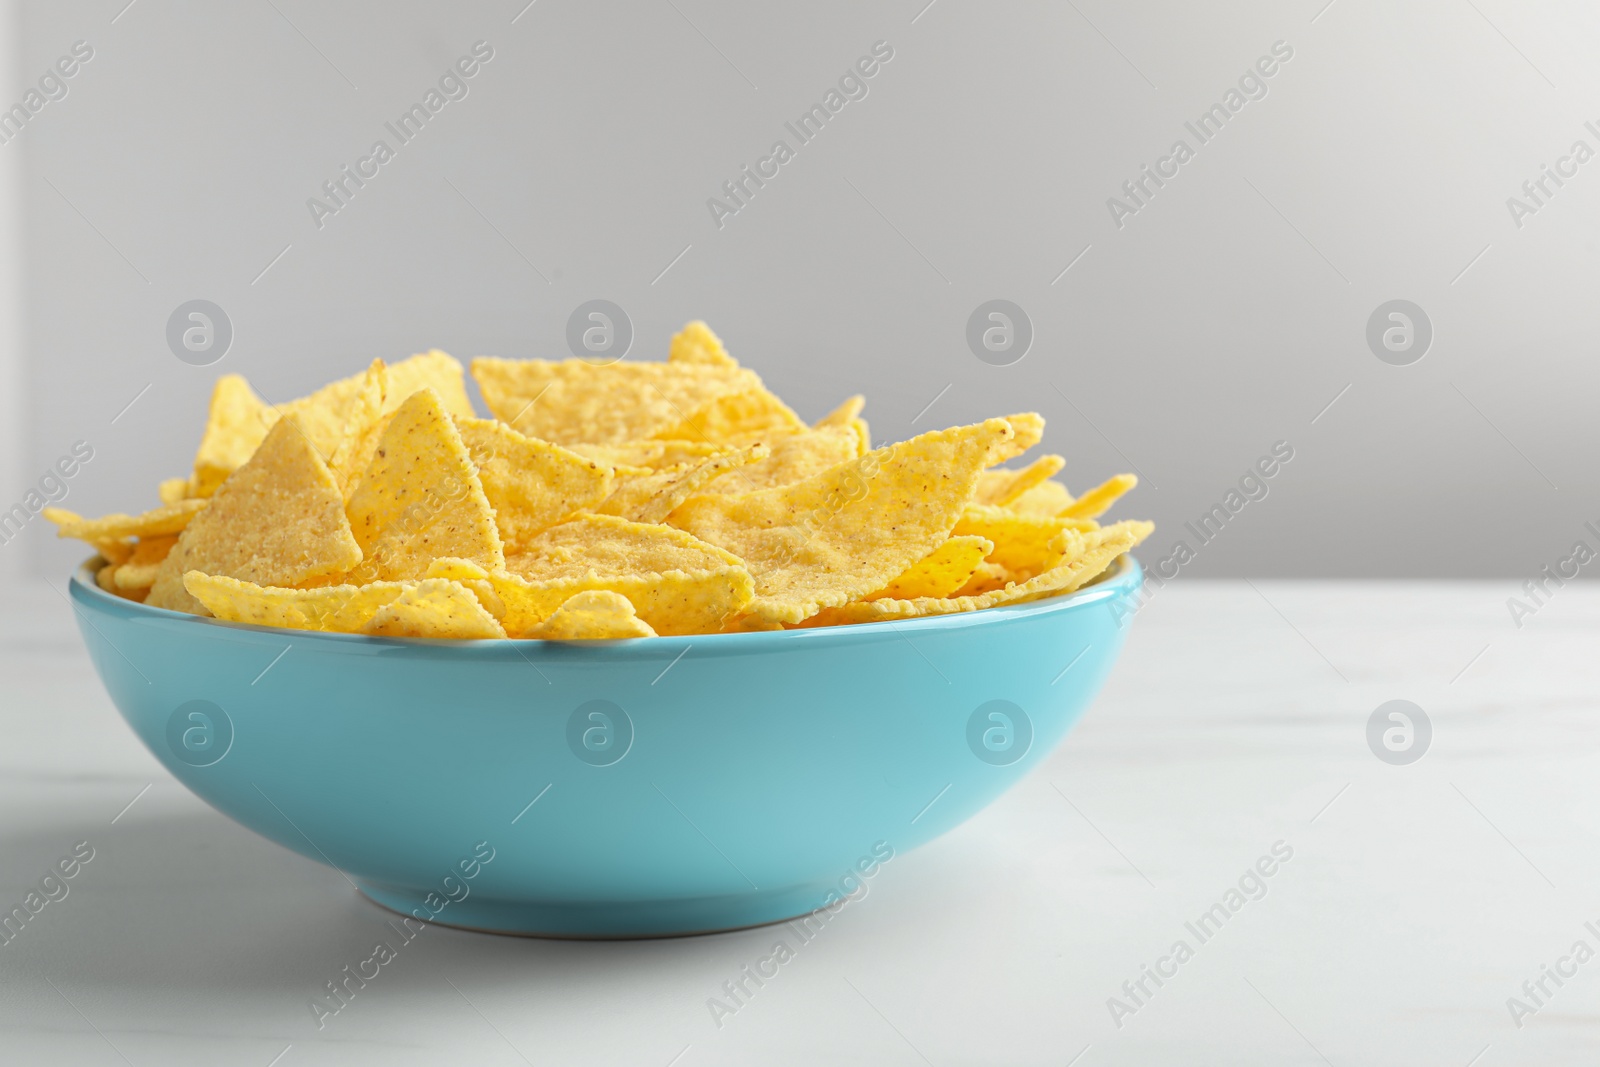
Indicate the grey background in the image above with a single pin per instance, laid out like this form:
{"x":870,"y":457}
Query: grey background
{"x":1224,"y":317}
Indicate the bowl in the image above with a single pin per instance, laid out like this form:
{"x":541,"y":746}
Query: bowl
{"x":649,"y":787}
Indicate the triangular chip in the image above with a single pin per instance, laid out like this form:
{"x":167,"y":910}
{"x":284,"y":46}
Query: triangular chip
{"x":578,"y":402}
{"x":676,"y":582}
{"x":421,"y":499}
{"x":167,"y":519}
{"x":695,"y":343}
{"x":1003,"y":485}
{"x":1048,"y":498}
{"x":794,"y":459}
{"x":330,"y":608}
{"x":593,"y":615}
{"x":434,"y":370}
{"x":531,"y":484}
{"x":140,"y":569}
{"x":1084,"y":558}
{"x":437,"y":608}
{"x":652,"y":496}
{"x":362,"y":427}
{"x":652,"y":454}
{"x":848,"y":531}
{"x":236,"y":425}
{"x":843,"y":415}
{"x":1097,"y":501}
{"x":739,"y":419}
{"x":474,"y":578}
{"x":1021,"y":542}
{"x":940,"y":573}
{"x":277,"y":520}
{"x":172,"y":490}
{"x":1030,"y":431}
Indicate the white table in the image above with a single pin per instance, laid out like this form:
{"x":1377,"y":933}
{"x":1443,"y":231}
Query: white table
{"x":1417,"y":901}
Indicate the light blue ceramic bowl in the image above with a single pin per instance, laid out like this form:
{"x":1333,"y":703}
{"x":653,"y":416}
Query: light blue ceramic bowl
{"x":637,"y":788}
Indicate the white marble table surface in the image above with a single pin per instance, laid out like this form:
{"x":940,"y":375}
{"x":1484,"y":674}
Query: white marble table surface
{"x":1417,"y":901}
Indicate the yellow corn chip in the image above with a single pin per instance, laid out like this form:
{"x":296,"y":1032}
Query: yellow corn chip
{"x":1030,"y":431}
{"x":846,"y":532}
{"x":106,"y":577}
{"x":695,"y":343}
{"x":1022,"y":543}
{"x":677,"y":583}
{"x":331,"y":608}
{"x":652,"y":454}
{"x":843,"y":415}
{"x":940,"y":573}
{"x":1086,"y":556}
{"x":172,"y":490}
{"x":793,"y":459}
{"x":435,"y":607}
{"x":277,"y":520}
{"x":1097,"y":501}
{"x":363,"y":426}
{"x":434,"y":370}
{"x":531,"y":484}
{"x":737,"y":419}
{"x":235,"y":426}
{"x":985,"y":578}
{"x":1003,"y":485}
{"x":577,"y":402}
{"x":1048,"y":498}
{"x":167,"y":519}
{"x":139,"y":572}
{"x":420,"y":499}
{"x":593,"y":615}
{"x":652,"y":496}
{"x":113,"y":549}
{"x":474,"y":578}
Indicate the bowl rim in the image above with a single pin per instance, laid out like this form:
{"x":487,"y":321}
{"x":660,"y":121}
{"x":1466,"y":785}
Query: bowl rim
{"x":1121,"y":578}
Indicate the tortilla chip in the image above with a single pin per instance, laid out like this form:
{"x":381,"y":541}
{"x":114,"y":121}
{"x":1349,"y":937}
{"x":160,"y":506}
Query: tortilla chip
{"x":651,"y":497}
{"x":1048,"y":498}
{"x":139,"y":572}
{"x":845,"y":533}
{"x":531,"y":484}
{"x":472,"y":576}
{"x":940,"y":573}
{"x":277,"y":520}
{"x":421,"y":499}
{"x":738,"y":419}
{"x":437,"y":608}
{"x":363,"y":425}
{"x":651,"y":454}
{"x":172,"y":490}
{"x":677,"y":583}
{"x":793,"y":459}
{"x":986,"y":578}
{"x":167,"y":519}
{"x":593,"y":615}
{"x":843,"y":415}
{"x":112,"y":549}
{"x":695,"y":343}
{"x":1097,"y":501}
{"x":330,"y":608}
{"x":1022,"y":543}
{"x":1030,"y":431}
{"x":434,"y":370}
{"x":236,"y":425}
{"x":1085,"y":557}
{"x":1002,"y":486}
{"x":578,"y":402}
{"x":106,"y":577}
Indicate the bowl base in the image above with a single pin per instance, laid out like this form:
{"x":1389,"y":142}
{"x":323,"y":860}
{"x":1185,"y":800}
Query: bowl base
{"x":622,"y":920}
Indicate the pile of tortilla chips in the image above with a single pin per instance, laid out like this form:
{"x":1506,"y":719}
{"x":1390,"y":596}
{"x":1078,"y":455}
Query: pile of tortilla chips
{"x":600,"y":501}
